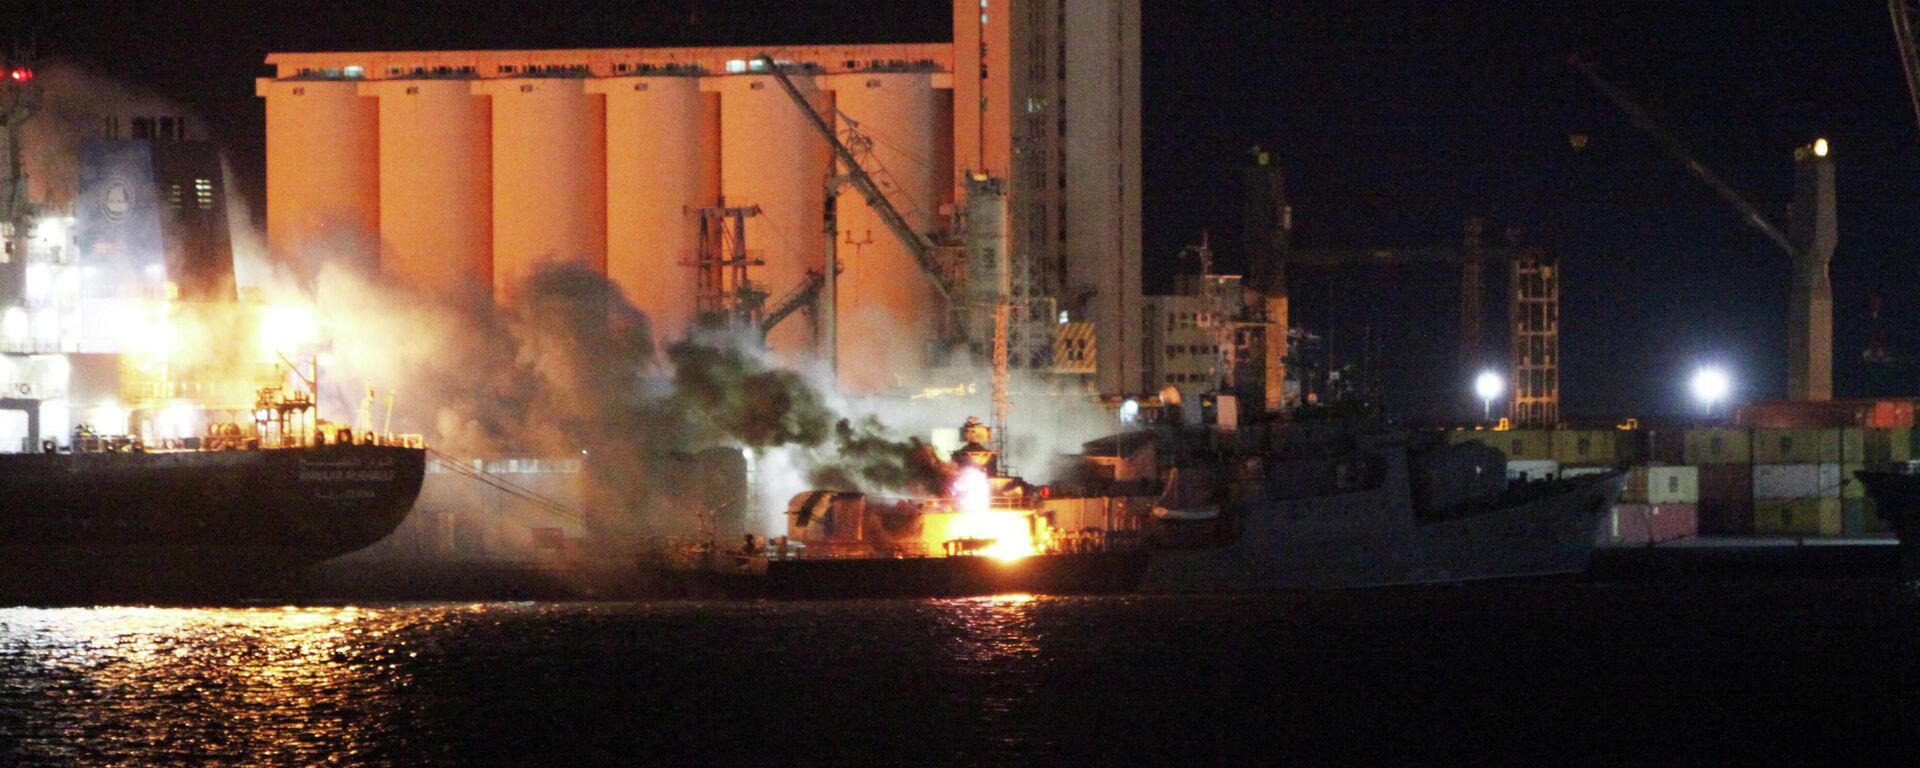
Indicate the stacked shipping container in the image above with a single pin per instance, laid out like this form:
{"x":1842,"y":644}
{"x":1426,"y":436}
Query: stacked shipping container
{"x":1725,"y":459}
{"x":1772,"y":480}
{"x":1659,"y":503}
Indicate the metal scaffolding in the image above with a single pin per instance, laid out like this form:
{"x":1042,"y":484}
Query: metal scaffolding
{"x":1534,"y":309}
{"x":722,"y":263}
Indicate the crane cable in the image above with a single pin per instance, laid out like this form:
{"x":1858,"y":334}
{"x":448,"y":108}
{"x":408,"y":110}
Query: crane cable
{"x":505,"y":486}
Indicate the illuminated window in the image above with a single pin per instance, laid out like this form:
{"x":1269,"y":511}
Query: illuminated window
{"x":736,"y":66}
{"x":355,"y":71}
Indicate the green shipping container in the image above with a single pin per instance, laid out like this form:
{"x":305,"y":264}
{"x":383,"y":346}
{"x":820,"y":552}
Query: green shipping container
{"x":1517,"y":444}
{"x":1799,"y":517}
{"x":1596,"y":447}
{"x":1886,"y":446}
{"x":1853,"y":445}
{"x":1718,"y":445}
{"x":1850,"y":487}
{"x":1797,"y":446}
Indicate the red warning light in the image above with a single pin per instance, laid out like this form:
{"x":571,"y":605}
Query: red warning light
{"x":20,"y":74}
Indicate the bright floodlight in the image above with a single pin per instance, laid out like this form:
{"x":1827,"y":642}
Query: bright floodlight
{"x":1819,"y":147}
{"x":1711,"y":385}
{"x":1488,"y":385}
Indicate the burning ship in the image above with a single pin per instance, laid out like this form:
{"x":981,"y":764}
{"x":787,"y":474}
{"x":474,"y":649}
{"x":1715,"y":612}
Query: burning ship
{"x":1173,"y":509}
{"x":156,"y":437}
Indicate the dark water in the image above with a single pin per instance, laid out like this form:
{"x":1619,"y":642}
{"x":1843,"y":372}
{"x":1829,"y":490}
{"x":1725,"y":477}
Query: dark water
{"x":1814,"y":673}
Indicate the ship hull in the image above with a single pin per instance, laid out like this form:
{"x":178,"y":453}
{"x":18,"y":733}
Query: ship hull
{"x":1896,"y":498}
{"x":187,"y":525}
{"x":1360,"y":541}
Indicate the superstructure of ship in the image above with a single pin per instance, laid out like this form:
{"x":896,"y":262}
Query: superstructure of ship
{"x":1166,"y":508}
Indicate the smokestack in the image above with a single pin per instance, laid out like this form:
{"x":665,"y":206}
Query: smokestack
{"x":1810,"y":310}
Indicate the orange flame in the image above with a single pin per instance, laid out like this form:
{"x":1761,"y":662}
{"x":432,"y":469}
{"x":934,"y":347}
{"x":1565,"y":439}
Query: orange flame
{"x":976,"y":518}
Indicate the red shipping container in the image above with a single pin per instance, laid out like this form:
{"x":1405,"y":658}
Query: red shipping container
{"x":1726,"y":499}
{"x":1890,"y":414}
{"x":1650,"y":523}
{"x":1799,"y":414}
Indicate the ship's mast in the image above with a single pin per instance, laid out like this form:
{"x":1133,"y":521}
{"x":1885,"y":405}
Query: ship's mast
{"x":19,"y":101}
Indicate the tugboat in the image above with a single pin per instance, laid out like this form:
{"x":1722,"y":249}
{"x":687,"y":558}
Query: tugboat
{"x":989,"y":534}
{"x":241,"y":509}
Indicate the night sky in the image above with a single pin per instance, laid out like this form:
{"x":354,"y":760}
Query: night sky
{"x":1394,"y":122}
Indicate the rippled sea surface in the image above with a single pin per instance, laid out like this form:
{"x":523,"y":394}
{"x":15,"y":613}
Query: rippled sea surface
{"x":1534,"y":674}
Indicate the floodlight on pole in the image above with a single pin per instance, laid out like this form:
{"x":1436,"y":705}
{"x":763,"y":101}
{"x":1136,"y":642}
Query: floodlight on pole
{"x":1488,"y":385}
{"x":1710,"y":386}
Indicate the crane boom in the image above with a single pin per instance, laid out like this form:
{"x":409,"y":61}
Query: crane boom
{"x":917,"y":244}
{"x":1673,"y":147}
{"x":1908,"y":38}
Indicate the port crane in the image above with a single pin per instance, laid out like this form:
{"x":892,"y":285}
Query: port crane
{"x":820,"y":287}
{"x":1808,"y":241}
{"x":1906,"y":33}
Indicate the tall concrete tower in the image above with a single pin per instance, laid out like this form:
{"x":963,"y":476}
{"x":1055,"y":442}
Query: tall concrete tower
{"x":1266,"y":223}
{"x":1046,"y":94}
{"x":1810,"y":309}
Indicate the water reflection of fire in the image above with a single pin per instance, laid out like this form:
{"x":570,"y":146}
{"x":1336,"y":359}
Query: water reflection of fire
{"x":976,"y":519}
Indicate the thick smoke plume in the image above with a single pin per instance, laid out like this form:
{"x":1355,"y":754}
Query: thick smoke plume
{"x":567,"y":366}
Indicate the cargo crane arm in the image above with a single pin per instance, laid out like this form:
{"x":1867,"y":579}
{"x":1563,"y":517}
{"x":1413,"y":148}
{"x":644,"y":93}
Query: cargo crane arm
{"x":917,"y":244}
{"x":1907,"y":36}
{"x":1673,"y":147}
{"x":794,"y":301}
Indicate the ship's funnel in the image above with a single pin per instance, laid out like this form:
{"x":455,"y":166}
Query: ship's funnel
{"x":1810,"y":310}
